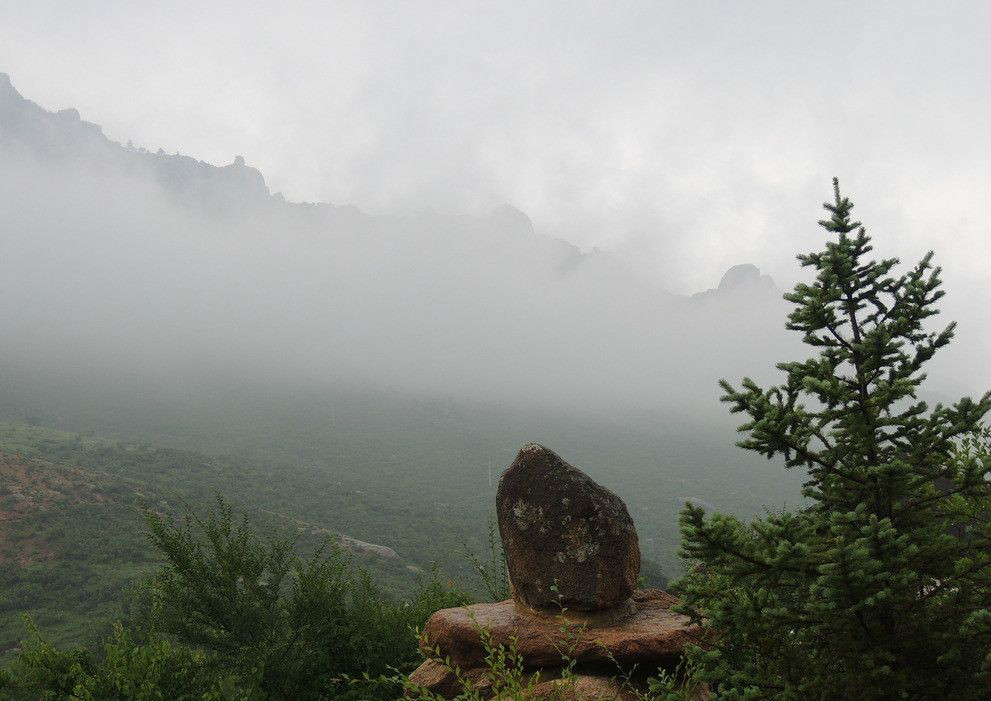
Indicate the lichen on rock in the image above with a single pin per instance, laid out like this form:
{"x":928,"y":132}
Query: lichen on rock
{"x":569,"y":541}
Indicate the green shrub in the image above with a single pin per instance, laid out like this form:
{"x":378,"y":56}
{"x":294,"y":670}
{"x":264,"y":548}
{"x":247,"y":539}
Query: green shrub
{"x":128,"y":671}
{"x":234,"y":615}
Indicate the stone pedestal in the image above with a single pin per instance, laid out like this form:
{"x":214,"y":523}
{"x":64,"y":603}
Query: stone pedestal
{"x":573,"y":558}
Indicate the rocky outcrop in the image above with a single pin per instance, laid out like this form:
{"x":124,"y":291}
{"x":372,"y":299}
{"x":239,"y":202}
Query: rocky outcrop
{"x":645,"y":631}
{"x":569,"y":541}
{"x":741,"y":282}
{"x":573,"y":557}
{"x":63,"y":138}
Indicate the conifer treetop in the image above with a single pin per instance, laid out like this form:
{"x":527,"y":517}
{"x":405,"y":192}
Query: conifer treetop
{"x":878,"y":586}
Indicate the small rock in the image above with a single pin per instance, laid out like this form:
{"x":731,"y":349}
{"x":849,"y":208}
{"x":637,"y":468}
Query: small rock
{"x":583,"y":687}
{"x":558,"y":525}
{"x":360,"y":546}
{"x":439,"y":679}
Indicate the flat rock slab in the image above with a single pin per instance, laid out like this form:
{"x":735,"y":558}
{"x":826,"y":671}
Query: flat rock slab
{"x":560,"y":527}
{"x":649,"y":633}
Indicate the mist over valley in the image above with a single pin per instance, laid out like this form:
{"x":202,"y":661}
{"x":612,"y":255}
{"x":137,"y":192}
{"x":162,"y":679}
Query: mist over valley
{"x":251,"y":444}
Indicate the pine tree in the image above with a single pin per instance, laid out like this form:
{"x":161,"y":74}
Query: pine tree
{"x":879,"y":587}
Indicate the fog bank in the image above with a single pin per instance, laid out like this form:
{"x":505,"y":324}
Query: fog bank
{"x":150,"y":264}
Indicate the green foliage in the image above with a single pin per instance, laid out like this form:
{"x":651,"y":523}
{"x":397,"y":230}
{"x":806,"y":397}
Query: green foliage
{"x":89,"y":534}
{"x":491,"y":566}
{"x":129,"y":671}
{"x":294,"y":624}
{"x":44,"y":672}
{"x":267,"y":612}
{"x":389,"y":469}
{"x":233,"y":615}
{"x":651,"y":575}
{"x":881,"y":587}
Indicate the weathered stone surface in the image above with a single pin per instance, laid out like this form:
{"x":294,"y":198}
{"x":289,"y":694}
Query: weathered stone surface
{"x":583,"y":687}
{"x":647,"y":633}
{"x":559,"y":525}
{"x":438,"y":679}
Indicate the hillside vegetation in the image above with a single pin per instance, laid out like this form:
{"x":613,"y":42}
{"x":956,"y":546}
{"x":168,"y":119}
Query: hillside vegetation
{"x":384,"y":470}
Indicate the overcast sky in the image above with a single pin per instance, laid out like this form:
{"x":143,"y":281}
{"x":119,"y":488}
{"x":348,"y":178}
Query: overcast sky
{"x":685,"y":137}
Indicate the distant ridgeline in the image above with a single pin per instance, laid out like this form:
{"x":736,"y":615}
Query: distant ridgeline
{"x":63,"y":138}
{"x":179,"y":320}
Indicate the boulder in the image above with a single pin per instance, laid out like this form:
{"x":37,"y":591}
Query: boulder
{"x":558,"y":525}
{"x":646,"y":633}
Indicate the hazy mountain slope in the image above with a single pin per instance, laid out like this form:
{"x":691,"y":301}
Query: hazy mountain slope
{"x":406,"y":472}
{"x":410,"y":475}
{"x":361,"y":373}
{"x":149,"y":263}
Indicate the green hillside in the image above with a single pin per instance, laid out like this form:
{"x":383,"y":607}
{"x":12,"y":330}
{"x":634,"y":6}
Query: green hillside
{"x":409,"y":474}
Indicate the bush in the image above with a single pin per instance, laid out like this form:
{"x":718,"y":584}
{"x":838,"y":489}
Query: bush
{"x":233,"y":615}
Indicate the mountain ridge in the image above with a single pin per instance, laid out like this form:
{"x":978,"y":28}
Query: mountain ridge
{"x":63,"y":135}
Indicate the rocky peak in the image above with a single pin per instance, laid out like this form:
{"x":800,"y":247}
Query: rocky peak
{"x":744,"y":280}
{"x":64,"y":136}
{"x":744,"y":276}
{"x":69,"y":114}
{"x":8,"y":94}
{"x":509,"y":217}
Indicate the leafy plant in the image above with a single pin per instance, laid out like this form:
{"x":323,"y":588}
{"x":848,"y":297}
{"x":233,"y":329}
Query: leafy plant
{"x":152,"y":670}
{"x":492,"y":571}
{"x":235,"y":615}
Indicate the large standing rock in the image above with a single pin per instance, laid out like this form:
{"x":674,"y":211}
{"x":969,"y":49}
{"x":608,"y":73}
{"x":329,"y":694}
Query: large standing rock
{"x":557,"y":525}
